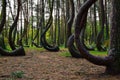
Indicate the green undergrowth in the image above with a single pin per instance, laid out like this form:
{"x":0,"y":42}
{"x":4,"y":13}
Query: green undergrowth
{"x":63,"y":51}
{"x":96,"y":53}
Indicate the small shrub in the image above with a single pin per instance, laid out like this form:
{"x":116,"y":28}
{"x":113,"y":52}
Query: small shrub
{"x":18,"y":74}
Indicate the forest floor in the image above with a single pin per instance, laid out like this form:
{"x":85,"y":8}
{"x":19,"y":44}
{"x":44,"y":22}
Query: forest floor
{"x":44,"y":65}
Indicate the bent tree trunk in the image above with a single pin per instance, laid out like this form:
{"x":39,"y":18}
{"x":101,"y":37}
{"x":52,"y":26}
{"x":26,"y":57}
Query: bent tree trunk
{"x":17,"y":52}
{"x":43,"y":37}
{"x":70,"y":42}
{"x":112,"y":61}
{"x":13,"y":26}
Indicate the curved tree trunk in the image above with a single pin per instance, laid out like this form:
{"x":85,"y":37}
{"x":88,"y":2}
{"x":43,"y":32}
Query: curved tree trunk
{"x":17,"y":52}
{"x":78,"y":27}
{"x":84,"y":21}
{"x":72,"y":49}
{"x":12,"y":27}
{"x":112,"y":61}
{"x":70,"y":42}
{"x":43,"y":37}
{"x":71,"y":19}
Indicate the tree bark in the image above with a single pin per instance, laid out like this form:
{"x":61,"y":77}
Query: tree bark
{"x":78,"y":27}
{"x":12,"y":27}
{"x":3,"y":19}
{"x":102,"y":22}
{"x":114,"y":68}
{"x":17,"y":52}
{"x":112,"y":61}
{"x":70,"y":42}
{"x":43,"y":37}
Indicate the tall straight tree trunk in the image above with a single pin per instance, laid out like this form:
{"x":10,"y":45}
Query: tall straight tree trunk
{"x":67,"y":18}
{"x":32,"y":20}
{"x":58,"y":22}
{"x":106,"y":19}
{"x":95,"y":23}
{"x":115,"y":38}
{"x":102,"y":21}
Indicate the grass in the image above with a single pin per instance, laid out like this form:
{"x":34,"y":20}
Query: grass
{"x":66,"y":53}
{"x":96,"y":53}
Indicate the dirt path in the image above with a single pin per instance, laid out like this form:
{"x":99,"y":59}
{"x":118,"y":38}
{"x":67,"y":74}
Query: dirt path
{"x":45,"y":65}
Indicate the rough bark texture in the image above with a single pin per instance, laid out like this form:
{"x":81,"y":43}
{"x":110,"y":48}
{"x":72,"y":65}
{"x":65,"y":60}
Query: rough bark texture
{"x":114,"y":68}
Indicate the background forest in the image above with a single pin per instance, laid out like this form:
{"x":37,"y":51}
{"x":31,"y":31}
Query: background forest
{"x":34,"y":16}
{"x":52,"y":39}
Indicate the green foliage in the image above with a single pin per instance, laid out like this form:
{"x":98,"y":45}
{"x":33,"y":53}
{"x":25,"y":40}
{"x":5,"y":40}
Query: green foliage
{"x":65,"y":53}
{"x":17,"y":74}
{"x":98,"y":53}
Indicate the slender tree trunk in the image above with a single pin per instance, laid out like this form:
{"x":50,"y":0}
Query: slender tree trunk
{"x":101,"y":33}
{"x":106,"y":20}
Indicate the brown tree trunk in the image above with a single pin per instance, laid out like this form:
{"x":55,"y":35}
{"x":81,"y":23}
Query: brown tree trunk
{"x":12,"y":27}
{"x":70,"y":42}
{"x":3,"y":14}
{"x":78,"y":27}
{"x":17,"y":52}
{"x":114,"y":67}
{"x":43,"y":35}
{"x":112,"y":61}
{"x":101,"y":33}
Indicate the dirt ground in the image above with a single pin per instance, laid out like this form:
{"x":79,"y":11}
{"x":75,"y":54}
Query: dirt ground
{"x":44,"y":65}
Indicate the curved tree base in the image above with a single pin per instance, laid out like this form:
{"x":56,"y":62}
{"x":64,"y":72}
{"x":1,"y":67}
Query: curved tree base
{"x":53,"y":49}
{"x":112,"y":71}
{"x":36,"y":45}
{"x":79,"y":25}
{"x":49,"y":47}
{"x":73,"y":51}
{"x":114,"y":67}
{"x":18,"y":52}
